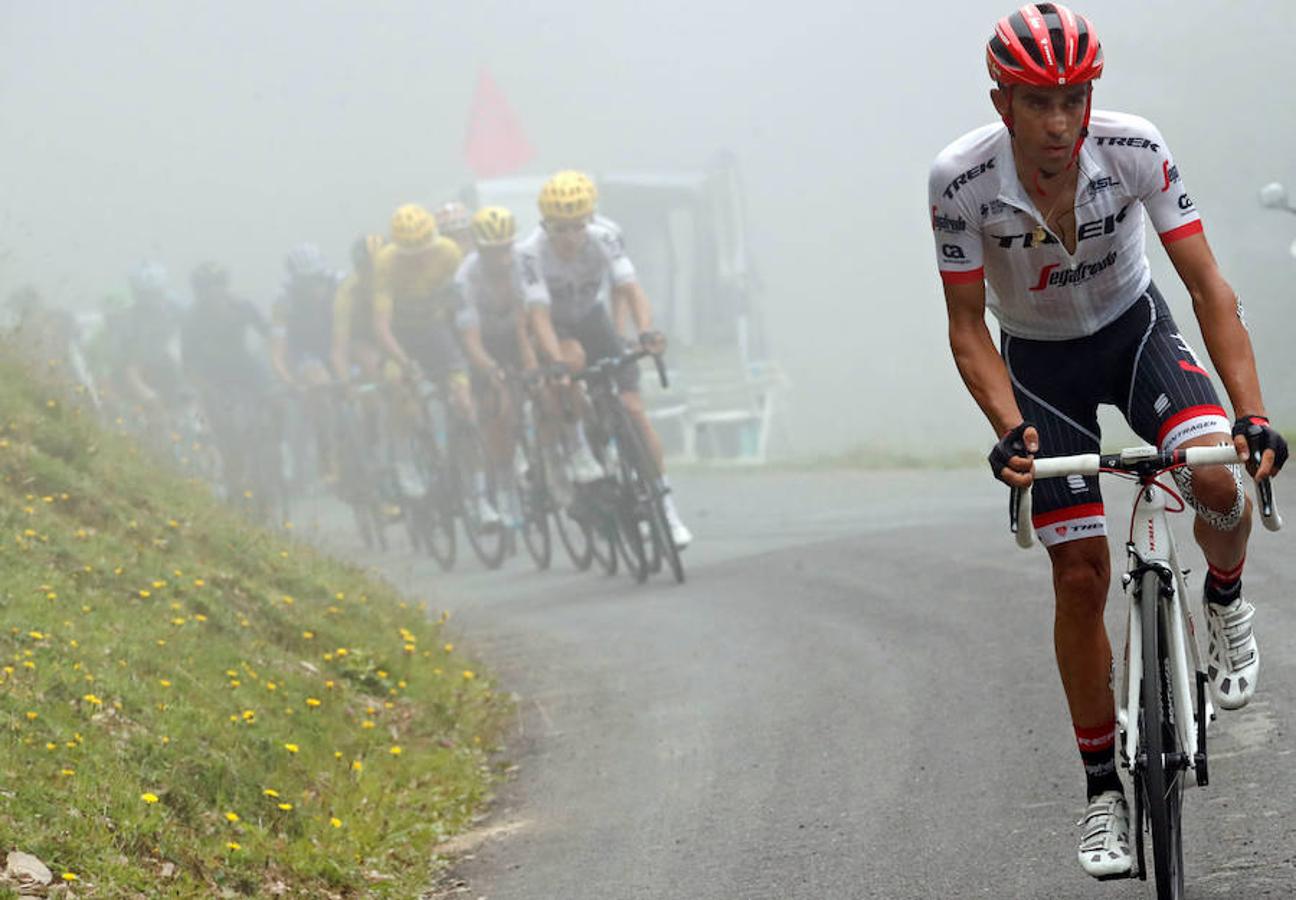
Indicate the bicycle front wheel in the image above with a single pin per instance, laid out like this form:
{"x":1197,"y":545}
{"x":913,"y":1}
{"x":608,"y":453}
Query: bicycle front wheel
{"x":1161,"y":783}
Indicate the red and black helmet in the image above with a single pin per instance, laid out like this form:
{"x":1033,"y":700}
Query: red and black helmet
{"x":1044,"y":45}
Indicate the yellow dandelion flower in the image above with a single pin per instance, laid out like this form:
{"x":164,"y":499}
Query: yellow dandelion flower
{"x":177,"y":606}
{"x":67,"y":772}
{"x":144,"y":594}
{"x":382,"y":673}
{"x":402,"y":684}
{"x":291,"y":748}
{"x":286,"y":807}
{"x":410,"y":648}
{"x":231,"y":816}
{"x":149,"y":798}
{"x":32,"y":715}
{"x":161,"y":642}
{"x":339,"y":596}
{"x":395,"y":751}
{"x":328,"y":657}
{"x":271,"y":686}
{"x":357,"y":765}
{"x":287,"y":600}
{"x":387,"y":704}
{"x":232,"y":673}
{"x":233,"y":845}
{"x":329,"y":684}
{"x":270,"y":792}
{"x":50,"y":745}
{"x":92,"y":699}
{"x":335,"y":822}
{"x":164,"y":682}
{"x":159,"y":584}
{"x":234,"y":682}
{"x":178,"y":620}
{"x":469,"y":675}
{"x":249,"y":714}
{"x":308,"y":635}
{"x":449,"y":648}
{"x":342,"y":651}
{"x":244,"y":623}
{"x":28,"y":664}
{"x":367,"y":724}
{"x":312,"y":702}
{"x":69,"y":876}
{"x":199,"y":617}
{"x":36,"y":635}
{"x":198,"y":582}
{"x":337,"y":754}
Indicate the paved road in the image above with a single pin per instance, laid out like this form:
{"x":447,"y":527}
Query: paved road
{"x":854,"y":696}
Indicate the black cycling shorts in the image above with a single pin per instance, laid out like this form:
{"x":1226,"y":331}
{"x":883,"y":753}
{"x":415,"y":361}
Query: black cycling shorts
{"x":597,"y":337}
{"x":1141,"y":365}
{"x":436,"y":349}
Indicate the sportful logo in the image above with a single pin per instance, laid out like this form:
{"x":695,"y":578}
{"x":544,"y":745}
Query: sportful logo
{"x":994,"y":208}
{"x":1092,"y":229}
{"x":1141,"y":143}
{"x":1170,"y":173}
{"x":1053,"y":276}
{"x":971,"y":174}
{"x":947,"y":224}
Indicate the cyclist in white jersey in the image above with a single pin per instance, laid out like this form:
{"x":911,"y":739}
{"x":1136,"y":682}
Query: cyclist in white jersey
{"x":492,"y":324}
{"x":1047,"y":208}
{"x":564,"y":265}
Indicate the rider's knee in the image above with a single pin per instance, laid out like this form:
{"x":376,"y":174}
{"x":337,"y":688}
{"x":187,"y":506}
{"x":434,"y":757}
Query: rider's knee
{"x":1081,"y":576}
{"x":1215,"y":493}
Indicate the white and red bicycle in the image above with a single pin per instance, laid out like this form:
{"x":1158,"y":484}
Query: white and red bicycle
{"x":1162,"y":705}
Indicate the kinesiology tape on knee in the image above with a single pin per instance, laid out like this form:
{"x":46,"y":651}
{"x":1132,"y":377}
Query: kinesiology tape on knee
{"x":1220,"y":521}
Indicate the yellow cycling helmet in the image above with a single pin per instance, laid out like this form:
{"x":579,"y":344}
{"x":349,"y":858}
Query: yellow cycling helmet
{"x":567,"y":196}
{"x":581,"y":176}
{"x":413,"y":228}
{"x":494,"y":226}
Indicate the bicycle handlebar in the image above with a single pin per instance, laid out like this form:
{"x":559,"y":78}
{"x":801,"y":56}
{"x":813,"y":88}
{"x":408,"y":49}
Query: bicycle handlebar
{"x":610,"y":363}
{"x":1147,"y":461}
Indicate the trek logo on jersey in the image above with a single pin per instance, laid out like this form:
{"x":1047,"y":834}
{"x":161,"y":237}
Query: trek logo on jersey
{"x":1091,"y":229}
{"x":1140,"y":142}
{"x":970,"y":175}
{"x":1170,"y":173}
{"x":953,"y":251}
{"x":941,"y":222}
{"x":1053,"y":275}
{"x":1185,"y":202}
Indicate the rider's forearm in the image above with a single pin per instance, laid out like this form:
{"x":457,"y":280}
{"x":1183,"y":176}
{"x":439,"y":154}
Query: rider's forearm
{"x":542,"y":327}
{"x":1229,"y":345}
{"x":389,"y":343}
{"x":475,"y":350}
{"x":633,"y":296}
{"x":986,"y":376}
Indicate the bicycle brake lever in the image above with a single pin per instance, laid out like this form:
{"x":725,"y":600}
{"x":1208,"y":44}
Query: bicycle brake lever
{"x":661,"y":371}
{"x":1019,"y":509}
{"x":1268,"y":510}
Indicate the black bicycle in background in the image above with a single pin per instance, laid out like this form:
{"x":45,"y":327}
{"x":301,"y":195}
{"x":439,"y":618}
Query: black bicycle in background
{"x":444,"y":474}
{"x":632,"y":506}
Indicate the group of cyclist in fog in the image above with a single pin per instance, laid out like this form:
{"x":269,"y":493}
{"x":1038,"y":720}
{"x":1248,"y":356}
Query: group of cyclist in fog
{"x":453,"y":300}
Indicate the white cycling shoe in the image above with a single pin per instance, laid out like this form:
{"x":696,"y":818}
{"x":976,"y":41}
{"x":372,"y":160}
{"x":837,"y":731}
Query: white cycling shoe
{"x":487,"y":516}
{"x":679,"y":531}
{"x":585,"y":469}
{"x":1104,"y":850}
{"x":1233,"y":659}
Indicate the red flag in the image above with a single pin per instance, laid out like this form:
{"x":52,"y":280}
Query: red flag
{"x":496,"y":144}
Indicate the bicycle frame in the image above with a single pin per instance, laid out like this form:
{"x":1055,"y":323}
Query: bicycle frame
{"x":1151,"y":546}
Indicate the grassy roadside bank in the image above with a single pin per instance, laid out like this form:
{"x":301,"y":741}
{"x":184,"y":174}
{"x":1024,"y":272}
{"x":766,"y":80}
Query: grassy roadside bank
{"x":193,"y":707}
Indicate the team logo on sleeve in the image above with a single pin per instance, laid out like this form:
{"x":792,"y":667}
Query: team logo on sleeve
{"x":953,"y":252}
{"x":1170,"y":174}
{"x":947,"y":224}
{"x":1185,"y":202}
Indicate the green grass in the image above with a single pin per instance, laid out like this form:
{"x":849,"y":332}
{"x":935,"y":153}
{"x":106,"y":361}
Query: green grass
{"x":166,"y":668}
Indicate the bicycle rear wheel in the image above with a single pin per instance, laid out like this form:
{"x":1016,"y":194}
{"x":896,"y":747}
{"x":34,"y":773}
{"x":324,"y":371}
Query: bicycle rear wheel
{"x":1162,"y":772}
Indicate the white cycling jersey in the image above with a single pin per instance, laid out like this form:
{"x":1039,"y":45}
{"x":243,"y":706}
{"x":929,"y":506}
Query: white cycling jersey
{"x":491,"y":300}
{"x":986,"y":226}
{"x":572,"y":286}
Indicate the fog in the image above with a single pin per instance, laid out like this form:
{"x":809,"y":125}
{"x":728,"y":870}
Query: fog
{"x":232,"y":130}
